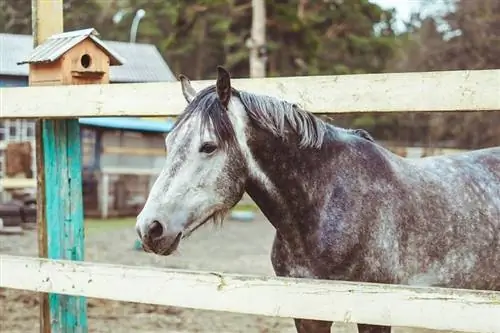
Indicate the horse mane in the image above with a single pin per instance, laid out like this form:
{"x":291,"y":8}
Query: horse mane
{"x":273,"y":114}
{"x":269,"y":113}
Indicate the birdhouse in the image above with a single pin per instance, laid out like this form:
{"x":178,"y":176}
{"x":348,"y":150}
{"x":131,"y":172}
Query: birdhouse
{"x":75,"y":57}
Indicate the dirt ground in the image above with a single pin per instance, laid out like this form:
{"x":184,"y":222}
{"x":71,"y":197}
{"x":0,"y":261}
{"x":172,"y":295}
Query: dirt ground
{"x":237,"y":247}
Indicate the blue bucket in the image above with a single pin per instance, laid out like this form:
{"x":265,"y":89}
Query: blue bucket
{"x":242,"y":215}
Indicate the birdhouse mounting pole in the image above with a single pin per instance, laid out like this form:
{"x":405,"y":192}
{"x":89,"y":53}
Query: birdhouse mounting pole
{"x":59,"y":191}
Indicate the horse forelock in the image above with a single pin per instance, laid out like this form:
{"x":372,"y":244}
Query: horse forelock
{"x":209,"y":108}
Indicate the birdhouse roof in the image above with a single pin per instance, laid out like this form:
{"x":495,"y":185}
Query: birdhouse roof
{"x":55,"y":46}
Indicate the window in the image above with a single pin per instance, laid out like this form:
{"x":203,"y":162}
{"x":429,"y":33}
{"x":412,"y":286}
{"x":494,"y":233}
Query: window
{"x":17,"y":130}
{"x":12,"y":131}
{"x":30,"y":131}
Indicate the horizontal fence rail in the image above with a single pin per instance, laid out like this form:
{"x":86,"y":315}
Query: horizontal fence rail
{"x":477,"y":90}
{"x":433,"y":308}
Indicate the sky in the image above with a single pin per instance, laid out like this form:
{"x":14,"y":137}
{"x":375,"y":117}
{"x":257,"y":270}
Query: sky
{"x":404,"y":8}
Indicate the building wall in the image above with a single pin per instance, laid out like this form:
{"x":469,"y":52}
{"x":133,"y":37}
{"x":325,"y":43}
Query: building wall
{"x":118,"y":183}
{"x":132,"y":152}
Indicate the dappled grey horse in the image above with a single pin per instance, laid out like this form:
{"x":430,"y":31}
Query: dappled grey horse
{"x":343,"y":207}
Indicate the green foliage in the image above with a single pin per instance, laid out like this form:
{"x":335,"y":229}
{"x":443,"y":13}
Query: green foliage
{"x":307,"y":37}
{"x":15,"y":16}
{"x":312,"y":37}
{"x":304,"y":37}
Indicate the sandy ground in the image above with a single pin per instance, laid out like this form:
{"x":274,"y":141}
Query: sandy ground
{"x":239,"y":247}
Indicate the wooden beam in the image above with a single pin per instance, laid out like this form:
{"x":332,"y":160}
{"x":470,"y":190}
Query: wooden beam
{"x":419,"y":307}
{"x":476,"y":90}
{"x":59,"y":195}
{"x":17,"y":183}
{"x":104,"y":195}
{"x":134,"y":151}
{"x":43,"y":28}
{"x":131,"y":171}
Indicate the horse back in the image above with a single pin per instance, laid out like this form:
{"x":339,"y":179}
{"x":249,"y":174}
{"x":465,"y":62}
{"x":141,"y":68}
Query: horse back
{"x":429,"y":221}
{"x":451,"y":231}
{"x":473,"y":173}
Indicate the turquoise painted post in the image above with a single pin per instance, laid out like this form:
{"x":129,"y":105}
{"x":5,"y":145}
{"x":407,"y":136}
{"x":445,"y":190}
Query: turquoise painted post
{"x":64,"y":215}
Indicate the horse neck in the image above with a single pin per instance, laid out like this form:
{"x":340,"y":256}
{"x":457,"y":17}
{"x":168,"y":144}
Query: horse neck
{"x":295,"y":186}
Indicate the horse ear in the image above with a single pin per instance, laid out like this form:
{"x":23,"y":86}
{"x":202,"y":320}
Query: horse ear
{"x":364,"y":134}
{"x":187,"y":89}
{"x":223,"y":85}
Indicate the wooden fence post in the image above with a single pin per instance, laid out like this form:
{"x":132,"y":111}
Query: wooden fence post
{"x":59,"y":195}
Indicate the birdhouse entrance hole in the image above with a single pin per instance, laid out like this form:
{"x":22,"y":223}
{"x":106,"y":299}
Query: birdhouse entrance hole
{"x":86,"y":61}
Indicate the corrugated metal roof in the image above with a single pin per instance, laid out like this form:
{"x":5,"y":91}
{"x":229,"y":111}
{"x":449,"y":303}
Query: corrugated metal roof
{"x":143,"y":61}
{"x":55,"y":46}
{"x":129,"y":123}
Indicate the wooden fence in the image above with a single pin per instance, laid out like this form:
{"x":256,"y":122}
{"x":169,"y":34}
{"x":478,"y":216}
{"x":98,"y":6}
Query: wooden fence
{"x":65,"y":280}
{"x":433,"y":308}
{"x":476,"y":90}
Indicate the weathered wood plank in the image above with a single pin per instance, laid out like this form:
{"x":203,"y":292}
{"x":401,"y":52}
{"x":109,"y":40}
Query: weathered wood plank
{"x":433,"y":308}
{"x":477,"y":90}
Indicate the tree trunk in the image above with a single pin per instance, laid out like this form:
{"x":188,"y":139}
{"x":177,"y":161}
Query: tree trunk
{"x":258,"y":39}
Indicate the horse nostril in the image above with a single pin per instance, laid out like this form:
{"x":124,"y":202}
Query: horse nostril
{"x":155,"y":230}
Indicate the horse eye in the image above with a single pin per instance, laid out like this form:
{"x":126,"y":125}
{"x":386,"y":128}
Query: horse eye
{"x":208,"y":148}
